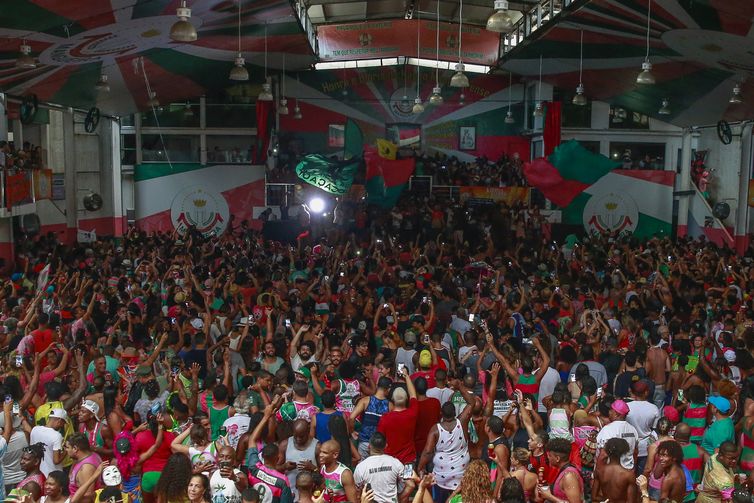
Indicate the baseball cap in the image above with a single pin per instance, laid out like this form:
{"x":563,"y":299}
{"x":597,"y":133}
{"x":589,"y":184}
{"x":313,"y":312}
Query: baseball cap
{"x":91,"y":406}
{"x":197,"y":324}
{"x":111,"y":475}
{"x":409,"y":338}
{"x":721,"y":403}
{"x":417,"y":318}
{"x":58,"y":414}
{"x":620,"y":407}
{"x":730,"y":355}
{"x":425,"y":358}
{"x":143,"y":371}
{"x":672,"y":414}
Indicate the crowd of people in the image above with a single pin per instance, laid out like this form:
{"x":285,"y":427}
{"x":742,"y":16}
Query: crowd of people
{"x":457,"y":364}
{"x":27,"y":157}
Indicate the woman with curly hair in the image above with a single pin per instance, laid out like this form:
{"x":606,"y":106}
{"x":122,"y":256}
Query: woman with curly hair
{"x":175,"y":478}
{"x":475,"y":485}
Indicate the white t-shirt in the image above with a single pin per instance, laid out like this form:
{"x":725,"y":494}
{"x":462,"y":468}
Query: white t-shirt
{"x":12,"y":458}
{"x":547,"y":386}
{"x":620,"y":429}
{"x":297,"y":362}
{"x":441,"y":394}
{"x":384,"y":473}
{"x":224,"y":490}
{"x":53,"y":441}
{"x":236,"y":426}
{"x":643,"y":416}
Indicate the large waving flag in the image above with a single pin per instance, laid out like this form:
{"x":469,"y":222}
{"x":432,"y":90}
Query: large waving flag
{"x":387,"y":149}
{"x":385,"y":178}
{"x":591,"y":192}
{"x":329,"y":175}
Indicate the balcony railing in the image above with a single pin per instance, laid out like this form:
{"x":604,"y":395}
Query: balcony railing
{"x":544,"y":13}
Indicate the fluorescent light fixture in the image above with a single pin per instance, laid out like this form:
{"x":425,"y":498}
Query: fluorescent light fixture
{"x":427,"y":63}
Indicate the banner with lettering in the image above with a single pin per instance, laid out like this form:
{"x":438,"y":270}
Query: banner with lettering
{"x":397,"y":37}
{"x":331,"y":176}
{"x":511,"y":196}
{"x":18,"y":189}
{"x":43,"y":184}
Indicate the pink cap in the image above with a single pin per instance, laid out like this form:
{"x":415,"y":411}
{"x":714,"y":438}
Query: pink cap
{"x":672,"y":414}
{"x":620,"y":407}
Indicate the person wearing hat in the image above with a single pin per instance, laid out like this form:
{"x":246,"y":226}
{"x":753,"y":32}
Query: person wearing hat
{"x":96,"y":430}
{"x":643,"y":416}
{"x":619,"y":428}
{"x":50,"y":436}
{"x":722,"y":429}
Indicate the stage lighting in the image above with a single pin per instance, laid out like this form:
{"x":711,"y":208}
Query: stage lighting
{"x":317,"y":205}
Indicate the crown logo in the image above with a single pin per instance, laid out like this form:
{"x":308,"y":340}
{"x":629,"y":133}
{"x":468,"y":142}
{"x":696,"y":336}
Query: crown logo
{"x":200,"y":203}
{"x":365,"y":39}
{"x":611,"y":206}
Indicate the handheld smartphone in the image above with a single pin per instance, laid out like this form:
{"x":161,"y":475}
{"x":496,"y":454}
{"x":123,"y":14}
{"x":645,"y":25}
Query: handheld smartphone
{"x":426,"y":339}
{"x":401,"y":367}
{"x":599,"y":392}
{"x":223,"y":431}
{"x":572,"y":378}
{"x":408,"y":471}
{"x":471,"y":318}
{"x":287,"y":323}
{"x":680,"y":395}
{"x":385,"y":306}
{"x":19,"y":361}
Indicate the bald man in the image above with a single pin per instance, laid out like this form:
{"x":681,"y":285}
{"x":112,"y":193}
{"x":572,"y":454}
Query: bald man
{"x":339,"y":484}
{"x":300,"y":452}
{"x":694,"y":457}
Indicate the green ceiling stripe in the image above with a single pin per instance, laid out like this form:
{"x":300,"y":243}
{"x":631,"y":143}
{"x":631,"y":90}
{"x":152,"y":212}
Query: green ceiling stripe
{"x":683,"y":92}
{"x":27,"y":16}
{"x":78,"y":90}
{"x":706,"y":16}
{"x":639,"y":9}
{"x":206,"y":73}
{"x":256,"y":30}
{"x":148,"y":8}
{"x":552,"y":49}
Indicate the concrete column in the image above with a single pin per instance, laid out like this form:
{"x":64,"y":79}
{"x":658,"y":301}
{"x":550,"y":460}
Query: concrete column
{"x":684,"y":183}
{"x":110,"y":175}
{"x":71,"y":192}
{"x":3,"y":119}
{"x":742,"y":211}
{"x":7,"y":255}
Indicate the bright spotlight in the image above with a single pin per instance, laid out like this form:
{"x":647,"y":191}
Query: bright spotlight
{"x":317,"y":205}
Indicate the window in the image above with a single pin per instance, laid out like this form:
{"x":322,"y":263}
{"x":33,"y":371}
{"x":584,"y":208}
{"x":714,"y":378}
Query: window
{"x":639,"y":155}
{"x":231,"y":115}
{"x":172,"y":115}
{"x":622,"y":118}
{"x":169,"y":148}
{"x":128,"y":149}
{"x":230,"y":149}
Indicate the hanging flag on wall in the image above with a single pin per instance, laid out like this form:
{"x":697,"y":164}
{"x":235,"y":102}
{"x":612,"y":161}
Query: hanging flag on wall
{"x":385,"y":178}
{"x":329,"y":175}
{"x":387,"y":149}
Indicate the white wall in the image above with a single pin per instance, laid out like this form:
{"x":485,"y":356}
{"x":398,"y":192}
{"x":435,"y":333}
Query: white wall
{"x":724,"y":164}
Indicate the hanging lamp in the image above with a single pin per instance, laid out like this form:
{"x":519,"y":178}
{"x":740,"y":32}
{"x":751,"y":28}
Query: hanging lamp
{"x":182,"y":30}
{"x":297,"y":110}
{"x":460,"y":79}
{"x":736,"y":98}
{"x":25,"y":60}
{"x":283,"y":105}
{"x":266,"y":94}
{"x":580,"y":99}
{"x":645,"y":77}
{"x":187,"y":110}
{"x":539,"y":109}
{"x":239,"y":71}
{"x":665,"y":109}
{"x":418,"y":105}
{"x":102,"y":86}
{"x":509,"y":115}
{"x":500,"y":21}
{"x":436,"y":98}
{"x":153,"y":102}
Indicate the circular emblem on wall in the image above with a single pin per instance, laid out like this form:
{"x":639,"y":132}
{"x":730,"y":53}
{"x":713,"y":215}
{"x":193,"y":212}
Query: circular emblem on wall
{"x":197,"y":207}
{"x":610,"y":213}
{"x":107,"y":42}
{"x":402,"y":108}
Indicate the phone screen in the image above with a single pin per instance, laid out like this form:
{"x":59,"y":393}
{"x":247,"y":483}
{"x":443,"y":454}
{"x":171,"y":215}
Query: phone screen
{"x":408,"y":471}
{"x":401,"y":366}
{"x":471,"y":317}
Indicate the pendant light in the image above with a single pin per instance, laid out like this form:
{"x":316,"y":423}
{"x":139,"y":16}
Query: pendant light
{"x":580,"y":99}
{"x":153,"y":102}
{"x":500,"y":21}
{"x":462,"y":99}
{"x":665,"y":109}
{"x":460,"y":79}
{"x":266,"y":94}
{"x":436,"y":98}
{"x":418,"y":105}
{"x":538,"y":109}
{"x":645,"y":77}
{"x":283,"y":105}
{"x":25,"y":59}
{"x":187,"y":110}
{"x":102,"y":85}
{"x":736,"y":98}
{"x":239,"y":71}
{"x":509,"y":116}
{"x":405,"y":103}
{"x":183,"y":30}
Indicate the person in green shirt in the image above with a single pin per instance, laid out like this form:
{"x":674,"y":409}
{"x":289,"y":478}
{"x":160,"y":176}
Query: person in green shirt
{"x":722,"y":429}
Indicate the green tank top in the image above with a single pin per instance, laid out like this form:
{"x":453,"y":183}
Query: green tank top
{"x":216,"y":419}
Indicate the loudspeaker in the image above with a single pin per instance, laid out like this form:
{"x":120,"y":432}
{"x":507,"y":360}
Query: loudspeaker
{"x":28,"y":224}
{"x":721,"y":211}
{"x":92,"y":201}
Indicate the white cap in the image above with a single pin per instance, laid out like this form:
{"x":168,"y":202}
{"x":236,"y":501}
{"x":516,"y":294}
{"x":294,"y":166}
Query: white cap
{"x":91,"y":406}
{"x":59,"y":414}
